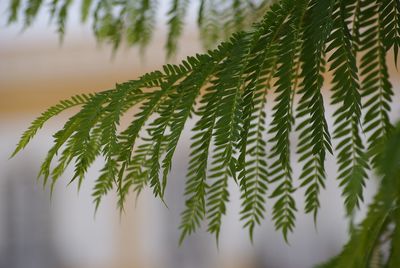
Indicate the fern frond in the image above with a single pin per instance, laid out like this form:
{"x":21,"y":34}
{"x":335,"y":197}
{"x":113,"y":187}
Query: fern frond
{"x":196,"y":184}
{"x":62,"y":17}
{"x":13,"y":9}
{"x":164,"y":106}
{"x":394,"y":258}
{"x":157,"y":136}
{"x":105,"y":182}
{"x":137,"y":172}
{"x":209,"y":27}
{"x":141,"y":21}
{"x":383,"y":212}
{"x":314,"y":135}
{"x":390,"y":23}
{"x":85,"y":138}
{"x":49,"y":113}
{"x":358,"y":251}
{"x":282,"y":119}
{"x":106,"y":26}
{"x":85,"y":9}
{"x":176,"y":16}
{"x":252,"y":159}
{"x":227,"y":129}
{"x":376,"y":87}
{"x":63,"y":135}
{"x":126,"y":96}
{"x":133,"y":21}
{"x":157,"y":133}
{"x":188,"y":90}
{"x":31,"y":10}
{"x":218,"y":21}
{"x":175,"y":113}
{"x":129,"y":136}
{"x":351,"y":157}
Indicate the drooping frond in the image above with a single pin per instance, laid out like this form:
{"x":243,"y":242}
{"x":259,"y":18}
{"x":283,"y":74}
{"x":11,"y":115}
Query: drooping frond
{"x":252,"y":164}
{"x":13,"y":9}
{"x":85,"y":137}
{"x":226,"y":134}
{"x":176,"y":16}
{"x":125,"y":95}
{"x":376,"y":87}
{"x":235,"y":142}
{"x":370,"y":235}
{"x":283,"y":118}
{"x":358,"y":252}
{"x":390,"y":25}
{"x":62,"y":14}
{"x":196,"y":184}
{"x":394,"y":258}
{"x":133,"y":21}
{"x":141,"y":21}
{"x":314,"y":135}
{"x":218,"y":20}
{"x":351,"y":157}
{"x":51,"y":112}
{"x":31,"y":10}
{"x":105,"y":182}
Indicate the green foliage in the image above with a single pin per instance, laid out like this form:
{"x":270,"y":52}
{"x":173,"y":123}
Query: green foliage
{"x":13,"y":9}
{"x":382,"y":220}
{"x":389,"y":12}
{"x":133,"y":21}
{"x":351,"y":157}
{"x":252,"y":165}
{"x":176,"y":16}
{"x":285,"y":55}
{"x":376,"y":87}
{"x":51,"y":112}
{"x":314,"y":135}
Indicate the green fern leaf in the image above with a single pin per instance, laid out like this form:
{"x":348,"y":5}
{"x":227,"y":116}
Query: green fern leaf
{"x":176,"y":16}
{"x":394,"y":258}
{"x":49,"y":113}
{"x":314,"y":135}
{"x":351,"y":157}
{"x":390,"y":23}
{"x":252,"y":159}
{"x":31,"y":10}
{"x":85,"y":9}
{"x":13,"y":9}
{"x":227,"y":130}
{"x":376,"y":87}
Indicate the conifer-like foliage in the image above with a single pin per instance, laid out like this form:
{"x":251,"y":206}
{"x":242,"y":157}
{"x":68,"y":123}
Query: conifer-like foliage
{"x":133,"y":21}
{"x":283,"y":59}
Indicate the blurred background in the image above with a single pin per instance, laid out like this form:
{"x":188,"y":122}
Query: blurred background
{"x":35,"y":232}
